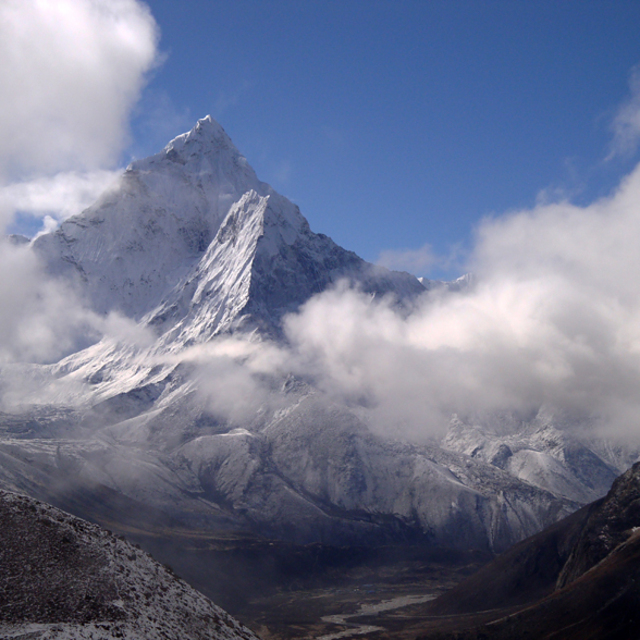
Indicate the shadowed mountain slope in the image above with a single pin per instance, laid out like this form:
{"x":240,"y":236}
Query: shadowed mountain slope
{"x":576,"y":580}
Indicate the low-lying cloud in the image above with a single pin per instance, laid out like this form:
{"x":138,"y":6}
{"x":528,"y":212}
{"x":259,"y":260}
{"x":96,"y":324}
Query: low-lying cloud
{"x":553,"y":320}
{"x":43,"y":320}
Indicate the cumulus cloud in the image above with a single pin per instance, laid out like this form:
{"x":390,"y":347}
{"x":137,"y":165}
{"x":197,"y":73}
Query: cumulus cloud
{"x":38,"y":318}
{"x":237,"y":377}
{"x":42,"y":320}
{"x":553,"y":321}
{"x":70,"y":72}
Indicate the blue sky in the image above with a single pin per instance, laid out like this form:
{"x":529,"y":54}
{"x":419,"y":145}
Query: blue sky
{"x":395,"y":126}
{"x":396,"y":123}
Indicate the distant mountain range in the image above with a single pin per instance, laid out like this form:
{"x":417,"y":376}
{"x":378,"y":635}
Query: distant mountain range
{"x":191,"y":247}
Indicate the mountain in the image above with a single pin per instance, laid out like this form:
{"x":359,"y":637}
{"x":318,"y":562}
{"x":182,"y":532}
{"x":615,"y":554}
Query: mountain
{"x":191,"y":242}
{"x":65,"y":578}
{"x":175,"y":432}
{"x":577,"y":579}
{"x":541,"y":452}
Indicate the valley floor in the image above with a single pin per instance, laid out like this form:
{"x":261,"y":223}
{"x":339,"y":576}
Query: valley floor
{"x":378,"y":598}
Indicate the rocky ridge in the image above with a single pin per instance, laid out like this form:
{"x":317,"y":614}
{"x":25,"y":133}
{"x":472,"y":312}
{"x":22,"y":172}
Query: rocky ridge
{"x":66,"y":579}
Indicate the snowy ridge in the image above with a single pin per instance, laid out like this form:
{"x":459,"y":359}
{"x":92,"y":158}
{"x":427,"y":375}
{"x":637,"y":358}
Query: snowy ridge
{"x":191,"y":245}
{"x":539,"y":454}
{"x":127,"y":250}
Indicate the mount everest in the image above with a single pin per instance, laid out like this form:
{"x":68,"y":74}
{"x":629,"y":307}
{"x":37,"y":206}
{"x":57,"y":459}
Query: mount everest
{"x":198,"y":421}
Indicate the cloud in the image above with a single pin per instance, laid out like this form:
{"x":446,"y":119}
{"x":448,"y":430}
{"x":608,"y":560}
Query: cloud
{"x":42,"y":320}
{"x":55,"y":198}
{"x":417,"y":261}
{"x":238,"y":378}
{"x":553,"y":321}
{"x":626,"y":124}
{"x":39,"y":319}
{"x":70,"y":72}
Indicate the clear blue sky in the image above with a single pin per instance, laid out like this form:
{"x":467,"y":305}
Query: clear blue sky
{"x":398,"y":123}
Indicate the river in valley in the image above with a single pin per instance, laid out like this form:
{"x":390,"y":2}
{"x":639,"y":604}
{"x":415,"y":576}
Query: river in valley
{"x":369,"y":609}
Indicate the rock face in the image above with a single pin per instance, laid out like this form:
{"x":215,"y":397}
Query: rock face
{"x":192,"y":247}
{"x":611,"y":522}
{"x":538,"y":453}
{"x":578,"y":579}
{"x":65,"y":578}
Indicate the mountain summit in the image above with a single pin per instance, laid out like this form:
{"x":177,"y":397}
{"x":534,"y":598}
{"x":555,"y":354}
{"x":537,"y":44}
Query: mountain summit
{"x":190,"y":240}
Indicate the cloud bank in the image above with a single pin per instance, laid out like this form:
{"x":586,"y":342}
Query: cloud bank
{"x":553,"y":321}
{"x":70,"y":72}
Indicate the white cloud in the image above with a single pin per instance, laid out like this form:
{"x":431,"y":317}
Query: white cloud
{"x":554,"y":321}
{"x":70,"y":72}
{"x":626,"y":124}
{"x":237,"y":377}
{"x":42,"y":320}
{"x":56,"y":197}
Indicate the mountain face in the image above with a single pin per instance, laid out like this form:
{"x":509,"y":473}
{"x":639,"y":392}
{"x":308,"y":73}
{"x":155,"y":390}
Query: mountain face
{"x":577,"y":579}
{"x":538,"y":453}
{"x":191,"y":242}
{"x":142,"y":236}
{"x":65,"y":578}
{"x":192,"y":247}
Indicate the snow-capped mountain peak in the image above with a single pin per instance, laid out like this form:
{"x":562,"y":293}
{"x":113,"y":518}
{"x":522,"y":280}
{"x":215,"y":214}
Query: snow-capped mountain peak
{"x":207,"y":151}
{"x":195,"y":219}
{"x":130,"y":248}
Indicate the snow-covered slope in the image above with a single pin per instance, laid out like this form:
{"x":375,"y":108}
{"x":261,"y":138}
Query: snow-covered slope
{"x":67,"y":579}
{"x":538,"y":453}
{"x":308,"y":472}
{"x":191,"y":245}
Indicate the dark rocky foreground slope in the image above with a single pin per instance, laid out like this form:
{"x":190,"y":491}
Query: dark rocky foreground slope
{"x":61,"y":577}
{"x":579,"y":579}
